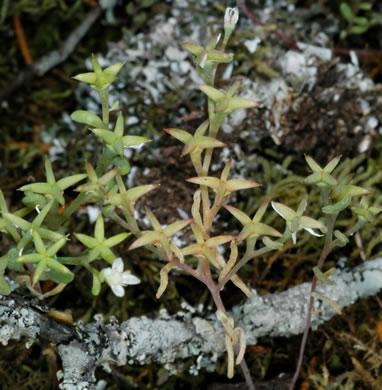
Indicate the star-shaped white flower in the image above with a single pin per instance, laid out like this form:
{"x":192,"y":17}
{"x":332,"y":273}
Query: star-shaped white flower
{"x":117,"y":279}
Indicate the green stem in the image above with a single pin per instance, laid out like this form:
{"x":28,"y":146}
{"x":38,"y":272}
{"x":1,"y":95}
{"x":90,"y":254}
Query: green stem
{"x":104,"y":94}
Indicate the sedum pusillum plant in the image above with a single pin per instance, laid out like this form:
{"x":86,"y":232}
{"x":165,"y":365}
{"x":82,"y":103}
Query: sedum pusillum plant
{"x":40,"y":230}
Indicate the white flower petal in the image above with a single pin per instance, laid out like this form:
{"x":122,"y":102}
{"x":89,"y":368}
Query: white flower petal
{"x":203,"y":61}
{"x":118,"y":291}
{"x":106,"y":272}
{"x":117,"y":265}
{"x":231,"y":17}
{"x":128,"y":278}
{"x":312,"y":232}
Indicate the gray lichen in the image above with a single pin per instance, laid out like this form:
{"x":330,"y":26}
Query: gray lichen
{"x":168,"y":340}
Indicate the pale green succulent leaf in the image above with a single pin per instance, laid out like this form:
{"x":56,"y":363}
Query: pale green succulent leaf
{"x":132,"y":140}
{"x":307,"y":222}
{"x":115,"y":240}
{"x":219,"y":56}
{"x":122,"y":165}
{"x":43,"y":213}
{"x":313,"y":178}
{"x":240,"y":184}
{"x":29,"y":258}
{"x":57,"y":194}
{"x":40,"y":188}
{"x":339,"y":206}
{"x":176,"y":226}
{"x":219,"y":240}
{"x":150,"y":237}
{"x":302,"y":206}
{"x":118,"y":146}
{"x":88,"y":118}
{"x":238,"y":214}
{"x":201,"y":130}
{"x":89,"y":77}
{"x":133,"y":194}
{"x":96,"y":285}
{"x":40,"y":268}
{"x":260,"y":212}
{"x":107,"y":135}
{"x":99,"y":229}
{"x":332,"y":164}
{"x":58,"y":276}
{"x":212,"y":93}
{"x":38,"y":243}
{"x":119,"y":128}
{"x":233,"y":88}
{"x":94,"y":254}
{"x":312,"y":164}
{"x":342,"y":239}
{"x":209,"y":181}
{"x":21,"y":223}
{"x":107,"y":254}
{"x":179,"y":134}
{"x":104,"y":179}
{"x":321,"y":276}
{"x":49,"y":234}
{"x":284,"y":211}
{"x":226,"y":170}
{"x":193,"y":48}
{"x":52,"y":250}
{"x":67,"y":182}
{"x":115,"y":68}
{"x":328,"y":179}
{"x":204,"y":142}
{"x":88,"y":241}
{"x":274,"y":245}
{"x":238,"y":102}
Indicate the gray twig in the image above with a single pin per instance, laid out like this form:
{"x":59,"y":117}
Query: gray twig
{"x":52,"y":59}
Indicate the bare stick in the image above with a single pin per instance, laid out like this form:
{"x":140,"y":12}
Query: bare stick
{"x":52,"y":59}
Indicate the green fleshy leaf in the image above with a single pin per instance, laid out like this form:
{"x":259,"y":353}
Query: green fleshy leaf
{"x":12,"y":260}
{"x":88,"y":241}
{"x":88,"y":118}
{"x":274,"y":245}
{"x":89,"y":77}
{"x":321,"y":276}
{"x":4,"y":287}
{"x":122,"y":164}
{"x":108,"y":136}
{"x":59,"y":276}
{"x":346,"y":12}
{"x":115,"y":68}
{"x":193,"y":48}
{"x":66,"y":182}
{"x":337,"y":207}
{"x":115,"y":240}
{"x":133,"y":140}
{"x":38,"y":272}
{"x":238,"y":214}
{"x":40,"y":188}
{"x":96,"y":286}
{"x":342,"y":239}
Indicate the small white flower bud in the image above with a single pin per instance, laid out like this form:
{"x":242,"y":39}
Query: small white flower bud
{"x":231,"y":17}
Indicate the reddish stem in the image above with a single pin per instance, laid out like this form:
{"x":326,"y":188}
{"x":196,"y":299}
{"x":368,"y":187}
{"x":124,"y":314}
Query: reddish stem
{"x":324,"y":255}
